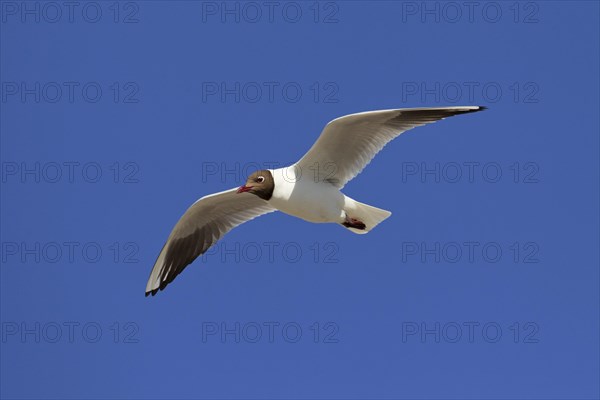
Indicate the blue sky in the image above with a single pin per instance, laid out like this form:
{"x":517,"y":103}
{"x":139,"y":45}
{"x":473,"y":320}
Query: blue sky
{"x":484,"y":283}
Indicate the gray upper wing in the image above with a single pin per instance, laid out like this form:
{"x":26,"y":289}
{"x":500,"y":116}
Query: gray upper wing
{"x":347,"y":144}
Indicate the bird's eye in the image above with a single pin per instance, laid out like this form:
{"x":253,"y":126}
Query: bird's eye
{"x":260,"y":179}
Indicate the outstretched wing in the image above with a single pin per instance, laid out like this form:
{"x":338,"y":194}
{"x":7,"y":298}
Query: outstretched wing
{"x":347,"y":144}
{"x":201,"y":226}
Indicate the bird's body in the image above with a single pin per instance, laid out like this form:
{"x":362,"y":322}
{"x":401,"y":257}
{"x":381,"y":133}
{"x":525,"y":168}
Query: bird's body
{"x":309,"y":189}
{"x":298,"y":194}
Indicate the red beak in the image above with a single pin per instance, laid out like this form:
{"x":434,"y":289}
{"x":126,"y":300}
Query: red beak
{"x":244,"y":188}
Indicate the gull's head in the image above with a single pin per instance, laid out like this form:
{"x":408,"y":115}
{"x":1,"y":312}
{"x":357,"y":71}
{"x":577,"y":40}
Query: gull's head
{"x":259,"y":183}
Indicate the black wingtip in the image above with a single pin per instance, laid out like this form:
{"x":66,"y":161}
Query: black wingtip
{"x":471,"y":110}
{"x":479,"y":108}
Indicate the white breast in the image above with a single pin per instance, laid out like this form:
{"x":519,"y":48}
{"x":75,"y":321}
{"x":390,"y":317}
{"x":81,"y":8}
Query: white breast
{"x":305,"y":198}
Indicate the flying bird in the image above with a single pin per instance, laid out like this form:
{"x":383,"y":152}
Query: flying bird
{"x":309,"y":189}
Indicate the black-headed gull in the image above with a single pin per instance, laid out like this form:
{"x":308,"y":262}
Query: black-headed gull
{"x":308,"y":189}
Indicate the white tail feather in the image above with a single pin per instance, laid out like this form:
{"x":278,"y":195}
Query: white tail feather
{"x":369,"y":215}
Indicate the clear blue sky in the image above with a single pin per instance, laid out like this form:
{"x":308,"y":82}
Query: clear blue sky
{"x":484,"y":283}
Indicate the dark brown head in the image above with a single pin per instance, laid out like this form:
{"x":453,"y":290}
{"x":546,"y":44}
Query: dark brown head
{"x":260,"y":183}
